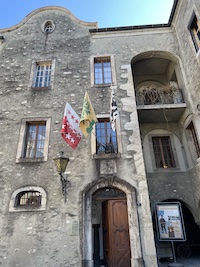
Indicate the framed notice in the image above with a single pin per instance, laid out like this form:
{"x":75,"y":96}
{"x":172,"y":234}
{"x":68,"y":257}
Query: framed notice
{"x":169,"y":221}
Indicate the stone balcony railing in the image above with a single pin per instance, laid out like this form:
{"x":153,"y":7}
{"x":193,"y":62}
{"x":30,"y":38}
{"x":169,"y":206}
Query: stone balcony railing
{"x":155,"y":95}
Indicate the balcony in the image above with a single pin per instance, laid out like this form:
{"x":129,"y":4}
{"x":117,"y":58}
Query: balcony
{"x":159,"y":104}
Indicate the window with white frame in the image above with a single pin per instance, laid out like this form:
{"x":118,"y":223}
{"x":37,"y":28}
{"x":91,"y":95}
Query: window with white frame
{"x":104,"y":140}
{"x":102,"y":71}
{"x":28,"y":198}
{"x":34,"y":139}
{"x":42,"y":74}
{"x":195,"y":32}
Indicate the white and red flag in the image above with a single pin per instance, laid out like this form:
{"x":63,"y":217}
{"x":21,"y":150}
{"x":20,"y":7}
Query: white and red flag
{"x":71,"y":131}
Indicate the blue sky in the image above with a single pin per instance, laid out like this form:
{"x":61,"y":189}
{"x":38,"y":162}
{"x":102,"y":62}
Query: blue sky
{"x":108,"y":13}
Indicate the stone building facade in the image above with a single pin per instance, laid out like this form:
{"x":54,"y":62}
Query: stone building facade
{"x":50,"y":58}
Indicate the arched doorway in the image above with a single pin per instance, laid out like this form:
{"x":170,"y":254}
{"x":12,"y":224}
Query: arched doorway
{"x":110,"y":225}
{"x":110,"y":228}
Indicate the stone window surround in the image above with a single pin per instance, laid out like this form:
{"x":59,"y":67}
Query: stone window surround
{"x":46,"y":24}
{"x":196,"y":43}
{"x":189,"y":151}
{"x":33,"y":73}
{"x":12,"y":207}
{"x":177,"y":149}
{"x":22,"y":138}
{"x":158,"y":141}
{"x":112,"y":61}
{"x":191,"y":38}
{"x":93,"y":139}
{"x":170,"y":135}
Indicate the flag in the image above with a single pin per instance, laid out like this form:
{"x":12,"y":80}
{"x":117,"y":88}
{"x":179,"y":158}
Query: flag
{"x":71,"y":131}
{"x":114,"y":114}
{"x":88,"y":117}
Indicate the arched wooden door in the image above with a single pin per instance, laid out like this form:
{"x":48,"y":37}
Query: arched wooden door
{"x":116,"y":239}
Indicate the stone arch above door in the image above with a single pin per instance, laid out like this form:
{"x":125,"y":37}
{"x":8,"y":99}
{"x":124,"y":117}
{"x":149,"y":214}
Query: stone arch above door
{"x":134,"y":231}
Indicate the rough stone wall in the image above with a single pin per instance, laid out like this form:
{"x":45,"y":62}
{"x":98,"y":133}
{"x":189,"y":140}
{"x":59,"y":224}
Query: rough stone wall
{"x":48,"y":237}
{"x":190,"y":61}
{"x":43,"y":238}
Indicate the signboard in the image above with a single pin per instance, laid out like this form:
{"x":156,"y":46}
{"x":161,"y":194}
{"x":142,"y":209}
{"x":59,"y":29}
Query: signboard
{"x":169,"y":221}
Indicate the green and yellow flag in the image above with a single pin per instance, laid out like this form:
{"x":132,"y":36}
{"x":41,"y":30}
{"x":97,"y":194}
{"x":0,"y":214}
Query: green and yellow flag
{"x":88,"y":117}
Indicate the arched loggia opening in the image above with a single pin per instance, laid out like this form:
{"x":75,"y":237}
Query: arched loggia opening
{"x":107,"y":201}
{"x":158,"y":82}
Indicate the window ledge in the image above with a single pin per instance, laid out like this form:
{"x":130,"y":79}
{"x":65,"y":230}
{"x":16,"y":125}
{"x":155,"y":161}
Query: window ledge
{"x":164,"y":170}
{"x":41,"y":88}
{"x":19,"y":209}
{"x":106,"y":156}
{"x":102,"y":85}
{"x":30,"y":160}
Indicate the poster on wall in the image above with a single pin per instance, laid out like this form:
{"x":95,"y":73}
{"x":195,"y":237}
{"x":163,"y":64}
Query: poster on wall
{"x":169,"y":221}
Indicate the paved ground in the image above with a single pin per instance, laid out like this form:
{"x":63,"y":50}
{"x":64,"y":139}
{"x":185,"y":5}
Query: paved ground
{"x":194,"y":261}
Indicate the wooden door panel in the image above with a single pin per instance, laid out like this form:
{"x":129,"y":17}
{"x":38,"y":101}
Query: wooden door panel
{"x":116,"y":238}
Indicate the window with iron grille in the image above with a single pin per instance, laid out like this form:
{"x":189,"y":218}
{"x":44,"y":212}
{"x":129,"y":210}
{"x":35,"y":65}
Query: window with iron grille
{"x":102,"y":70}
{"x":28,"y":199}
{"x":43,"y":75}
{"x":163,"y":152}
{"x":195,"y":32}
{"x":106,"y":138}
{"x":192,"y":135}
{"x":35,"y":140}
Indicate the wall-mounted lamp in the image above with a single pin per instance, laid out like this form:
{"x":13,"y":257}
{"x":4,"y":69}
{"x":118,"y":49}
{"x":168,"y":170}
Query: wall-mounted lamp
{"x":61,"y":164}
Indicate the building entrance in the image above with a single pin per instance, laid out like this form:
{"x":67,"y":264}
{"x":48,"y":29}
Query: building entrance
{"x":110,"y":228}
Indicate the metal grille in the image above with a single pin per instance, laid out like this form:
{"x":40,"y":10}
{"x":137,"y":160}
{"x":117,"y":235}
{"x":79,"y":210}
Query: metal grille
{"x":29,"y":198}
{"x":43,"y":75}
{"x":163,"y":152}
{"x":102,"y":70}
{"x":157,"y":95}
{"x":106,"y":139}
{"x":35,"y":140}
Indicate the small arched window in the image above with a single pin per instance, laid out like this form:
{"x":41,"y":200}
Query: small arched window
{"x":28,"y":198}
{"x":48,"y":26}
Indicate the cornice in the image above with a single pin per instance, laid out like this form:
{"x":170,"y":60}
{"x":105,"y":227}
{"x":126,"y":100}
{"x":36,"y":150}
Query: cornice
{"x":49,"y":8}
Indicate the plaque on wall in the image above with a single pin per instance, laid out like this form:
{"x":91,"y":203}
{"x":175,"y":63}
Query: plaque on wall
{"x":75,"y":228}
